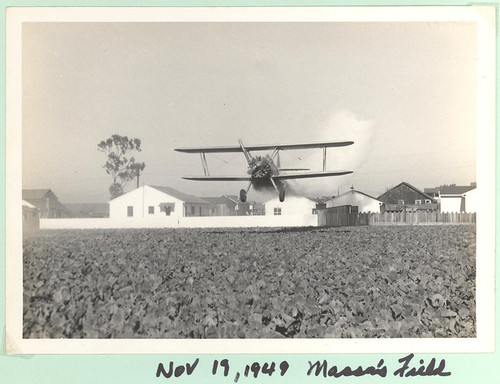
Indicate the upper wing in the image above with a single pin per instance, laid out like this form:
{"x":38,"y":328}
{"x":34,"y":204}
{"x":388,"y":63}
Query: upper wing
{"x":281,"y":147}
{"x":305,"y":175}
{"x":218,"y":178}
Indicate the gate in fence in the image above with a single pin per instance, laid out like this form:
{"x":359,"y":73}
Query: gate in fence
{"x":343,"y":216}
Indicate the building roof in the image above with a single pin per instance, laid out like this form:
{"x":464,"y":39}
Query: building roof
{"x":317,"y":200}
{"x":35,"y":193}
{"x":456,"y":189}
{"x":409,"y":186}
{"x":180,"y":195}
{"x":26,"y":204}
{"x":354,"y":191}
{"x":225,"y":199}
{"x":431,"y":190}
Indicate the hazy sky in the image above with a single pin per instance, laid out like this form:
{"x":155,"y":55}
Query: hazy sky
{"x":404,"y":92}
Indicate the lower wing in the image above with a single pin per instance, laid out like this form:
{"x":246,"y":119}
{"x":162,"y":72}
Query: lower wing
{"x":219,"y":178}
{"x":306,"y":175}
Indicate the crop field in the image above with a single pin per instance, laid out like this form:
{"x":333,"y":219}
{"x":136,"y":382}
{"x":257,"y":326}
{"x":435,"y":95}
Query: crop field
{"x":356,"y":282}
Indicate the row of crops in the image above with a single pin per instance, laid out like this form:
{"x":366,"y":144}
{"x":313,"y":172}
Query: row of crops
{"x":251,"y":283}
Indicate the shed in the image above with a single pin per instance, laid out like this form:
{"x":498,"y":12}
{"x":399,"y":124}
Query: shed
{"x":364,"y":202}
{"x":471,"y":201}
{"x":453,"y":198}
{"x":31,"y":217}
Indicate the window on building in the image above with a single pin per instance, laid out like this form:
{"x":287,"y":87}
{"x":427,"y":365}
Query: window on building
{"x":418,"y":201}
{"x":192,"y":210}
{"x":401,"y":202}
{"x":151,"y":210}
{"x":130,"y":211}
{"x":277,"y":211}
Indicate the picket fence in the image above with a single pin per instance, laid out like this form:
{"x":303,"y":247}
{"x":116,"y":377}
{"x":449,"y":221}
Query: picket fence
{"x":330,"y":218}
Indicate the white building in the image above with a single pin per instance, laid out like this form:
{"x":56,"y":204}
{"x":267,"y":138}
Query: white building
{"x":458,"y":198}
{"x":364,"y":202}
{"x":293,"y":205}
{"x":471,"y":200}
{"x":153,"y":201}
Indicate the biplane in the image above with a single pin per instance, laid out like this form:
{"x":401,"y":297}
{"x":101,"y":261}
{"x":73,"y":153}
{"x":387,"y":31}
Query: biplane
{"x":263,"y":172}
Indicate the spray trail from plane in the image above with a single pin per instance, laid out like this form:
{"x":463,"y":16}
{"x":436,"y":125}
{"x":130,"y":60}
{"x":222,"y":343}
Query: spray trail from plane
{"x":340,"y":125}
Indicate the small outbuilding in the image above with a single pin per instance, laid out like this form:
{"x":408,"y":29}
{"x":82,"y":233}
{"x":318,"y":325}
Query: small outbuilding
{"x":31,"y":217}
{"x":456,"y":198}
{"x":364,"y":202}
{"x":471,"y":201}
{"x":229,"y":205}
{"x":155,"y":201}
{"x":222,"y":206}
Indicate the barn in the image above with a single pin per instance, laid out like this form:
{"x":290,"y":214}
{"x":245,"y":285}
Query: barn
{"x":46,"y":201}
{"x":364,"y":202}
{"x":293,"y":205}
{"x":405,"y":197}
{"x":156,"y":201}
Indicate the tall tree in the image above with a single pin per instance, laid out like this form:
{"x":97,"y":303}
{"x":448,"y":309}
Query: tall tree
{"x":121,"y":168}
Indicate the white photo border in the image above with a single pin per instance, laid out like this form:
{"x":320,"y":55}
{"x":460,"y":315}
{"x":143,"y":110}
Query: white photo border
{"x":483,"y":16}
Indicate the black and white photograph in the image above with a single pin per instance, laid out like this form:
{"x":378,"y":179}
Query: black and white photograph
{"x":250,"y":178}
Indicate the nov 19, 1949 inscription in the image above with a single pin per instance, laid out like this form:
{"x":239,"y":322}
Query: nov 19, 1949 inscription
{"x":407,"y":368}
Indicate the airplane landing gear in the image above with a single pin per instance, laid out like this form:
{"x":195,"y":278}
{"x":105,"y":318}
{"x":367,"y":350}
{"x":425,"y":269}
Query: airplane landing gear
{"x":282,"y":195}
{"x":243,"y":195}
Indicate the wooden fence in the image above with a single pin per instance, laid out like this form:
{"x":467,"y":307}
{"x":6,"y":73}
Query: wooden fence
{"x":422,"y":217}
{"x":330,"y":218}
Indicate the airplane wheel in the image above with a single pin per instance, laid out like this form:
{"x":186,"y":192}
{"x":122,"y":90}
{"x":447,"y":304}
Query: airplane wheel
{"x":243,"y":195}
{"x":282,"y":195}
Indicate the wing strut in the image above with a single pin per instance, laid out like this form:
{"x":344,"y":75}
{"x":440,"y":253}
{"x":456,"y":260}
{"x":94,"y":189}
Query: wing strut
{"x":274,"y":185}
{"x":204,"y":163}
{"x":247,"y":154}
{"x":276,"y":153}
{"x":324,"y":159}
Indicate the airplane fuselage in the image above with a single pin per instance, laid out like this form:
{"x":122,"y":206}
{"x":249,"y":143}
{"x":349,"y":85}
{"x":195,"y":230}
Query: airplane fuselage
{"x":262,"y":169}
